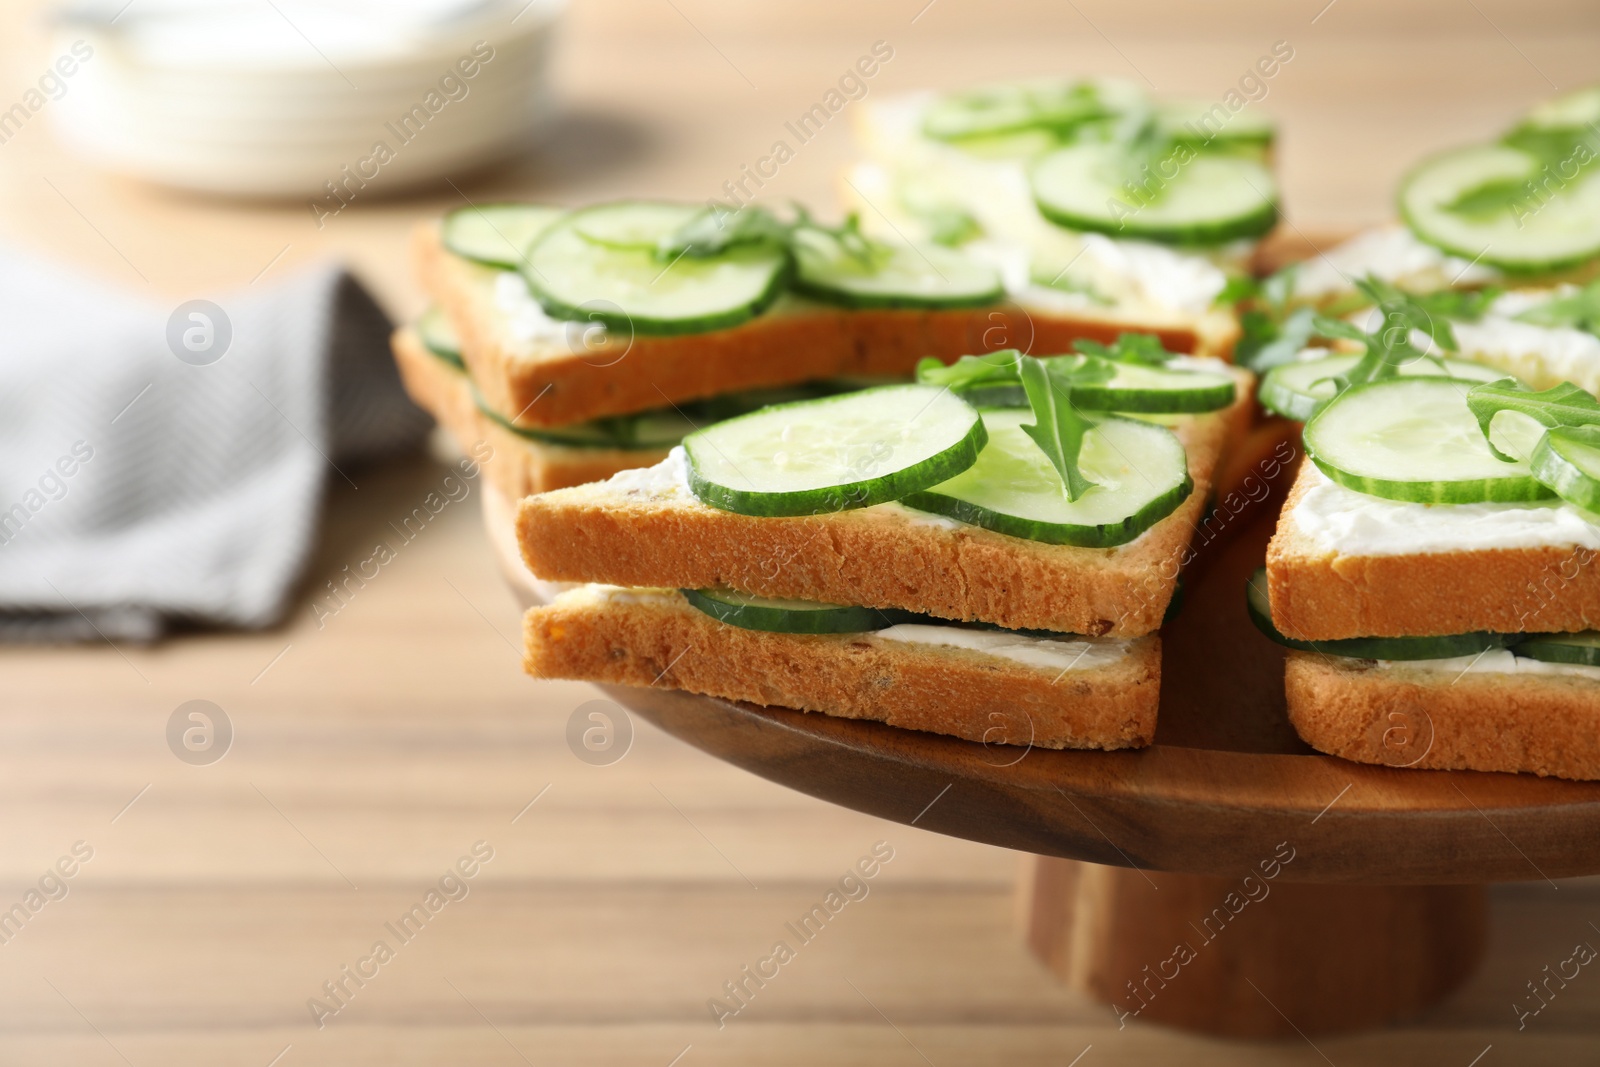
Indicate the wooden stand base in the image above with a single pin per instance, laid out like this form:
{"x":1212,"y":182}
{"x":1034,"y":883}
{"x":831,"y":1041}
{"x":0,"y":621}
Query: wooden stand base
{"x":1250,"y":957}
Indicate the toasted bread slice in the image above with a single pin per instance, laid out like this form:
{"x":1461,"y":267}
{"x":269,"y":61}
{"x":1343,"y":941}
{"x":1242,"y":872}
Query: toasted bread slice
{"x":1545,"y":724}
{"x":644,"y":528}
{"x":517,"y":466}
{"x":654,"y":637}
{"x":544,"y":383}
{"x":1320,"y":594}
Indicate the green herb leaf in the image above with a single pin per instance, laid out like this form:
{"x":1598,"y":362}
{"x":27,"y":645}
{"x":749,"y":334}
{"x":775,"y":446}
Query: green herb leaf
{"x":1489,"y":199}
{"x":1265,"y":342}
{"x":717,"y":228}
{"x":1560,"y":405}
{"x":1145,"y":348}
{"x":1577,"y":311}
{"x":1057,"y":426}
{"x":971,"y":372}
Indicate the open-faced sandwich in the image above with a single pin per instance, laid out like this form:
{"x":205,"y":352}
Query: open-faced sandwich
{"x":985,"y":552}
{"x":1088,"y":194}
{"x":591,"y":341}
{"x":1501,"y":236}
{"x":1433,"y":570}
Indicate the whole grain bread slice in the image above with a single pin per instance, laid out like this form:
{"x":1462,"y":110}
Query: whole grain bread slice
{"x":545,"y":383}
{"x":1323,"y":595}
{"x":1545,"y":724}
{"x":644,"y":528}
{"x":654,"y":637}
{"x":516,"y":465}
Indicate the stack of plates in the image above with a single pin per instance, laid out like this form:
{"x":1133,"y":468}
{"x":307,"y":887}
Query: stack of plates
{"x":281,"y":97}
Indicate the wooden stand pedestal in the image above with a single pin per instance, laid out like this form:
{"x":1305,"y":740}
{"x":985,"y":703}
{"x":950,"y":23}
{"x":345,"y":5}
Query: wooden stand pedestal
{"x":1250,"y":957}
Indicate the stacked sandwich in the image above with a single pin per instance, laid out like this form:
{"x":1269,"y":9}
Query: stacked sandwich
{"x":1433,"y":568}
{"x":985,"y":552}
{"x":1089,"y":195}
{"x":582,"y":343}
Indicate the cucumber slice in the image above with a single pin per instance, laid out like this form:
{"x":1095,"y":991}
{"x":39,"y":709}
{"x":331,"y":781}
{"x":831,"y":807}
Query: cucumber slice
{"x":837,"y":453}
{"x":1135,"y":388}
{"x":1196,"y":122}
{"x":1413,"y":439}
{"x":1577,"y":110}
{"x":793,"y":616}
{"x":1297,"y":390}
{"x":893,"y":275}
{"x":991,"y":110}
{"x":1139,"y":469}
{"x":1567,"y":460}
{"x":629,"y":287}
{"x":1474,"y":203}
{"x":1212,"y":198}
{"x":1582,"y":648}
{"x":1389,"y":648}
{"x":498,"y":235}
{"x":439,"y":337}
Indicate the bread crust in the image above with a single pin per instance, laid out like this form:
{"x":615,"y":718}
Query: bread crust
{"x":1322,"y":596}
{"x":1534,"y":723}
{"x":550,"y":386}
{"x":661,"y":640}
{"x":516,"y":465}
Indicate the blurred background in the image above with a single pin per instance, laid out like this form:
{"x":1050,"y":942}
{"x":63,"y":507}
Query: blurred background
{"x":372,"y":750}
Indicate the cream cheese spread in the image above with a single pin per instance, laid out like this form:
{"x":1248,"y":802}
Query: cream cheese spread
{"x":1343,"y":521}
{"x":525,"y":320}
{"x":1063,"y":654}
{"x":1392,"y":253}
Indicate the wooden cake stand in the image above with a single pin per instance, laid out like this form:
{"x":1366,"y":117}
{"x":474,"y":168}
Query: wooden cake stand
{"x":1226,"y":879}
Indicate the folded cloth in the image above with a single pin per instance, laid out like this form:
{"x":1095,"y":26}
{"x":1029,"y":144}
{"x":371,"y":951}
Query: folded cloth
{"x":160,"y":465}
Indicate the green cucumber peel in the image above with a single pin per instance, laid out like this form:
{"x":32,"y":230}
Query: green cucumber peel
{"x":1577,"y":311}
{"x":1563,"y":406}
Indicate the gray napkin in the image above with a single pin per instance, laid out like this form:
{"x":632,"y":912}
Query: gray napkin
{"x":162,"y":465}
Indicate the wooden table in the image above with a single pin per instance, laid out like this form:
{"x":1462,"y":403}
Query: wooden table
{"x":373,"y":752}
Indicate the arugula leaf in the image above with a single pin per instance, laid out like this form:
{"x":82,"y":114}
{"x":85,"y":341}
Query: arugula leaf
{"x":1560,"y":405}
{"x":1265,"y":342}
{"x":1057,"y":426}
{"x":972,"y":372}
{"x":1577,"y":311}
{"x":1489,"y":199}
{"x":1403,"y":313}
{"x":1145,"y":348}
{"x":1000,"y":369}
{"x":1237,"y":289}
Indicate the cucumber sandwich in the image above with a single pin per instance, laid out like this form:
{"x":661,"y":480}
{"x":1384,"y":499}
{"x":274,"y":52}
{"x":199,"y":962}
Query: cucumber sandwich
{"x":585,"y":342}
{"x":1520,"y":211}
{"x":986,"y":551}
{"x":1433,"y":570}
{"x":1089,"y":194}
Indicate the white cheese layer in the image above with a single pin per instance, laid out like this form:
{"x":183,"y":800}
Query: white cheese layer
{"x":1052,"y":653}
{"x":1494,"y":661}
{"x":1065,"y":653}
{"x":1349,"y":523}
{"x":525,"y":319}
{"x":1394,"y":254}
{"x":1539,"y":355}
